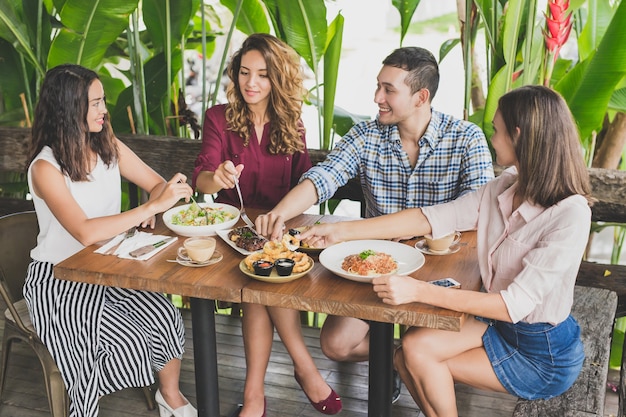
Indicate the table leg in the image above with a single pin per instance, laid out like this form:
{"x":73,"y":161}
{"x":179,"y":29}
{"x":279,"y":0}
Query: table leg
{"x":205,"y":357}
{"x":380,"y":369}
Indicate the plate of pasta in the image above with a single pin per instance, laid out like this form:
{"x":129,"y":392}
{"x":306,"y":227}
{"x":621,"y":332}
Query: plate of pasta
{"x":362,"y":260}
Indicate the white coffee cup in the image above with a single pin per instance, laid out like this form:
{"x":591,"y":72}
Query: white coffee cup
{"x":443,"y":243}
{"x":199,"y":249}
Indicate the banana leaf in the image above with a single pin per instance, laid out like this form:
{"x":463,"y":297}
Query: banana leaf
{"x":406,"y":8}
{"x":618,"y":100}
{"x":163,"y":30}
{"x":13,"y":29}
{"x":331,"y":69}
{"x":89,"y":28}
{"x":302,"y":24}
{"x":589,"y":88}
{"x":252,"y":18}
{"x":157,"y":85}
{"x":599,"y":13}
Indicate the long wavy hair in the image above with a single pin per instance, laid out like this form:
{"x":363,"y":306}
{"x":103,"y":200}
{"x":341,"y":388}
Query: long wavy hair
{"x":547,"y":145}
{"x":285,"y":99}
{"x":60,"y":122}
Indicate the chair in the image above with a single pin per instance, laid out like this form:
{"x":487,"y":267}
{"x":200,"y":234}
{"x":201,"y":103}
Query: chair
{"x":18,"y":235}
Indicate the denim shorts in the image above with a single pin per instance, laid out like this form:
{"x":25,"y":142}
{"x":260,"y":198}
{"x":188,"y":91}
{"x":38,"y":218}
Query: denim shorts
{"x":538,"y":360}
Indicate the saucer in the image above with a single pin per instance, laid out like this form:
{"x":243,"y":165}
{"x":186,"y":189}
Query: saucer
{"x":421,"y":246}
{"x":184,"y":260}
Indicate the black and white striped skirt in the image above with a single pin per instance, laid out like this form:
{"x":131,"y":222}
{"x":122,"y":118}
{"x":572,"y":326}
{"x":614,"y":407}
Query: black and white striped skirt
{"x":103,"y":339}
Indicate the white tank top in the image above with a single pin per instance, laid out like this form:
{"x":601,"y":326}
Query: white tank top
{"x":99,"y":196}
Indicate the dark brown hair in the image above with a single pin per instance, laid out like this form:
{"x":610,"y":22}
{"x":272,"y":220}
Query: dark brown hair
{"x":548,"y":149}
{"x":60,"y":122}
{"x":421,"y":65}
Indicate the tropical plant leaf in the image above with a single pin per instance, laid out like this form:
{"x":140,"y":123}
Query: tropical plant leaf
{"x":302,"y":24}
{"x":155,"y":17}
{"x":252,"y":18}
{"x":14,"y":30}
{"x":406,"y":8}
{"x":499,"y":85}
{"x":589,"y":90}
{"x":331,"y":69}
{"x":513,"y":21}
{"x":12,"y":84}
{"x":447,"y":46}
{"x":618,"y":100}
{"x":89,"y":28}
{"x":156,"y":86}
{"x":598,"y":20}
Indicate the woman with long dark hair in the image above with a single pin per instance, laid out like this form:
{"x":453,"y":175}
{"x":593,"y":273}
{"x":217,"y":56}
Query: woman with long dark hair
{"x":103,"y":339}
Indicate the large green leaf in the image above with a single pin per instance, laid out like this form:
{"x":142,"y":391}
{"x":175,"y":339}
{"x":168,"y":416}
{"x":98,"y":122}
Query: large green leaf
{"x":89,"y":28}
{"x":157,"y":84}
{"x":331,"y":69}
{"x":588,"y":90}
{"x":599,"y":17}
{"x":302,"y":24}
{"x":252,"y":18}
{"x":618,"y":100}
{"x":15,"y":31}
{"x":406,"y":8}
{"x":162,"y":29}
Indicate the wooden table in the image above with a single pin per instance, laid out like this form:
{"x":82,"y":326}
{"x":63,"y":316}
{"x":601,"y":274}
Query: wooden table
{"x":221,"y":281}
{"x":319,"y":291}
{"x":324,"y":292}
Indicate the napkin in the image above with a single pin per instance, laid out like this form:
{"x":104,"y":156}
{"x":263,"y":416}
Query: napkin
{"x":140,"y":239}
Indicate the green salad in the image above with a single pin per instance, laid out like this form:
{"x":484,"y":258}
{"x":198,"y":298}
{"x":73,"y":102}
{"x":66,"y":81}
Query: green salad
{"x":201,"y":216}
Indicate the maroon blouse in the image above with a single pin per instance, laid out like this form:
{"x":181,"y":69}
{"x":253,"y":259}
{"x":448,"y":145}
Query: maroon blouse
{"x":265,"y":179}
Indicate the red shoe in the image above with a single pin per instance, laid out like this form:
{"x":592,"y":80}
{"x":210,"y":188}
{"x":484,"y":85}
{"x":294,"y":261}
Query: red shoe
{"x":331,"y":405}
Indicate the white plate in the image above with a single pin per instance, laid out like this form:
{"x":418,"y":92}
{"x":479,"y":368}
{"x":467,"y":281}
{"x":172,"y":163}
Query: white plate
{"x":408,"y":258}
{"x":224,"y":235}
{"x":200,"y":230}
{"x":421,"y":246}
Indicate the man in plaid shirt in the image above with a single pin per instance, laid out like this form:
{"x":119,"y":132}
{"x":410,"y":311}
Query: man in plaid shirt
{"x":409,"y":156}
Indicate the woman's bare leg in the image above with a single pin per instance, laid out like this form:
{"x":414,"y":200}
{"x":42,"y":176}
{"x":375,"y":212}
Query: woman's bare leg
{"x":430,"y":362}
{"x":169,"y":378}
{"x":287,"y":323}
{"x":258,"y":333}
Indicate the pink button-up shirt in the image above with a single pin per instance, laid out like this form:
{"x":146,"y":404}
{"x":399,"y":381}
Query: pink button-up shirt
{"x":531,"y":255}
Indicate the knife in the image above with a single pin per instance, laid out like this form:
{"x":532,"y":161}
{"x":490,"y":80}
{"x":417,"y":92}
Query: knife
{"x":149,"y":248}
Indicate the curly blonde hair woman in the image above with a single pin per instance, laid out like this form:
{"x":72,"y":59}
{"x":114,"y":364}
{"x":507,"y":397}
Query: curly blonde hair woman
{"x":259,"y":128}
{"x":284,"y":70}
{"x":258,"y":137}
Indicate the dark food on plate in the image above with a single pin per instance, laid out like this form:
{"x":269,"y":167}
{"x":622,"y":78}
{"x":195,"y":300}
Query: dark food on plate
{"x":369,"y":262}
{"x":245,"y":238}
{"x":263,"y":267}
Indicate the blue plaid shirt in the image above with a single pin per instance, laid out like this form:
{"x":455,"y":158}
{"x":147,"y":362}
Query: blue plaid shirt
{"x":454,"y":158}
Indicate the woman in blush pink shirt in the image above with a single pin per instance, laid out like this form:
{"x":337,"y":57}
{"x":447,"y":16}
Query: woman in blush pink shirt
{"x":532,"y":225}
{"x":259,"y":138}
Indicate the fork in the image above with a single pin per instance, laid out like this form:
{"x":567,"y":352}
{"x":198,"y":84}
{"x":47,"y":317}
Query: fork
{"x":242,"y":210}
{"x":129,"y":233}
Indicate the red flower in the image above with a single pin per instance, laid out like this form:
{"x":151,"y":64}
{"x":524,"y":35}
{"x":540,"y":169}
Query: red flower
{"x":559,"y":25}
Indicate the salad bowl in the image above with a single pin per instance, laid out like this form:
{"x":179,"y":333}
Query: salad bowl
{"x":200,"y":219}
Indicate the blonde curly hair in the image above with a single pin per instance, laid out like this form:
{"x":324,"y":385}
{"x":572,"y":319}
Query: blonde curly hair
{"x":285,"y":99}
